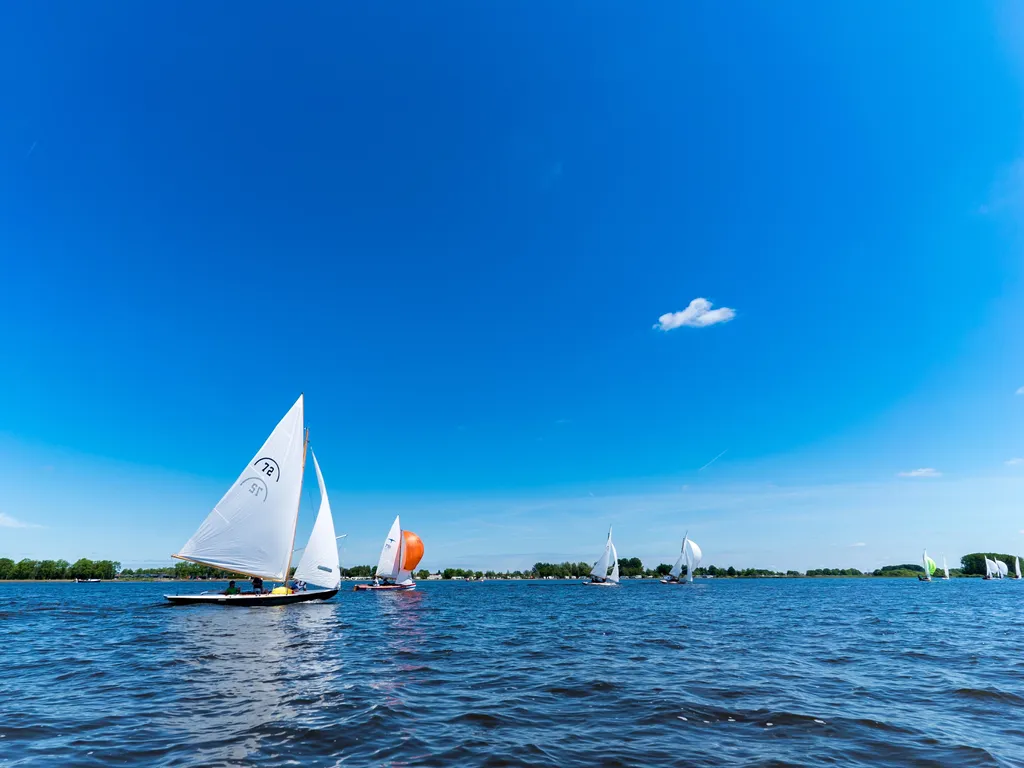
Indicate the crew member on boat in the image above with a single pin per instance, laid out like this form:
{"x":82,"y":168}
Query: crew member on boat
{"x":232,"y":589}
{"x":257,"y":585}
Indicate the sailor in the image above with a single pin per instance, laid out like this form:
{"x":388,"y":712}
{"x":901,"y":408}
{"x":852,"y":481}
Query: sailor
{"x":232,"y":589}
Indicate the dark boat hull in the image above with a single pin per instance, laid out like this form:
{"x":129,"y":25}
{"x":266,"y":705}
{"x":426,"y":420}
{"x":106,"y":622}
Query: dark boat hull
{"x":252,"y":601}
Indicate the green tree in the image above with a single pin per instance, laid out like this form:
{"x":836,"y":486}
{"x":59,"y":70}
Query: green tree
{"x":422,"y":574}
{"x":6,"y":568}
{"x":731,"y":571}
{"x":25,"y":569}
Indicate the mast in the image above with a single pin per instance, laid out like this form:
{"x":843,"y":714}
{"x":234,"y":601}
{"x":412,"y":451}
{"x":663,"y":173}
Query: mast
{"x":298,"y":504}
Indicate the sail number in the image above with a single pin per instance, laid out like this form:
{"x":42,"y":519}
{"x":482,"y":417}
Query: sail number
{"x":255,"y":489}
{"x":268,"y":468}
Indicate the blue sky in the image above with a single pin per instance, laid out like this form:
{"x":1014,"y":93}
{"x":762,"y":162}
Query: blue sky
{"x":455,"y":228}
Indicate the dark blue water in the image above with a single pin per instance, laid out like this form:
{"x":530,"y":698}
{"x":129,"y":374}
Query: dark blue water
{"x":805,"y":672}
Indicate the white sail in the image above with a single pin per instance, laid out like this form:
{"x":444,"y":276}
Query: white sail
{"x":989,"y":567}
{"x":945,"y":568}
{"x":252,"y":529}
{"x":1016,"y":567}
{"x":615,"y":566}
{"x":693,"y":557}
{"x":390,"y":561}
{"x":680,"y":561}
{"x":319,"y":563}
{"x":600,"y":569}
{"x":924,"y":560}
{"x":1004,"y":569}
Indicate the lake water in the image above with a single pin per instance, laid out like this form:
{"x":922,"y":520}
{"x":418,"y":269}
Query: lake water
{"x":808,"y":672}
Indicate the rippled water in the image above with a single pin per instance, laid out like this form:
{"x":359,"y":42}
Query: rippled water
{"x":872,"y":672}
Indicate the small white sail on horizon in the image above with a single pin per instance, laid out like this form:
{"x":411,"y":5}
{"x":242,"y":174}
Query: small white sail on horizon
{"x":990,"y":569}
{"x":319,"y":563}
{"x":251,"y":530}
{"x":390,"y":562}
{"x":599,"y":572}
{"x":1016,"y":567}
{"x":945,"y":568}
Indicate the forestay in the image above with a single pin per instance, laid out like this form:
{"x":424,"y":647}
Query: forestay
{"x":319,"y":563}
{"x":252,"y":529}
{"x":390,"y":561}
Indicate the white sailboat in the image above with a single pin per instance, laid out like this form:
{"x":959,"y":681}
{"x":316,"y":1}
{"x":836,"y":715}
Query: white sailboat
{"x":251,"y":531}
{"x":1016,"y":567}
{"x":991,"y":572}
{"x":945,"y":569}
{"x":689,"y":556}
{"x":1004,"y":569}
{"x":599,"y":575}
{"x":399,"y":557}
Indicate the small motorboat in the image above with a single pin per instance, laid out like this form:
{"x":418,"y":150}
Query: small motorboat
{"x":88,"y":581}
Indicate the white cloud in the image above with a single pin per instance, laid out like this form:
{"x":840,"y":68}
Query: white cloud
{"x":698,"y":315}
{"x":923,"y":472}
{"x":1014,"y":462}
{"x":6,"y":521}
{"x":859,"y":544}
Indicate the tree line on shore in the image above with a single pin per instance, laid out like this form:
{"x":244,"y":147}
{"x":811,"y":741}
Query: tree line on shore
{"x":55,"y":570}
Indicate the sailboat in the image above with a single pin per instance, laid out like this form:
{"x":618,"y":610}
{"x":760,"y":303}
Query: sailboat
{"x":1004,"y":569}
{"x":402,"y":552}
{"x":991,"y":572}
{"x":945,"y":569}
{"x":1016,"y":567}
{"x":251,"y":531}
{"x":599,"y":575}
{"x":689,"y":556}
{"x":929,"y":567}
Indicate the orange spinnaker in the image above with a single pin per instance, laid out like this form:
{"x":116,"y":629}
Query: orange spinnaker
{"x":412,"y":551}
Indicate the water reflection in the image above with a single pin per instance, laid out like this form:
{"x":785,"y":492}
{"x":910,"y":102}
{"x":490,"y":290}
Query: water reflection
{"x":233,"y":671}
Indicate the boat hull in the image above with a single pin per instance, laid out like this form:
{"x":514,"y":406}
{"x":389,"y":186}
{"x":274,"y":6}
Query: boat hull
{"x":673,"y":582}
{"x":250,"y":600}
{"x":600,"y":584}
{"x":383,"y":587}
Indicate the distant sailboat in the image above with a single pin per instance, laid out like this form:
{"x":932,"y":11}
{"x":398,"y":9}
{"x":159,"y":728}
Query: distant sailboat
{"x":991,"y":572}
{"x":689,"y":556}
{"x":400,"y":555}
{"x":1004,"y":569}
{"x":1016,"y":567}
{"x":251,"y":531}
{"x":945,"y":569}
{"x":929,"y":567}
{"x":599,"y":575}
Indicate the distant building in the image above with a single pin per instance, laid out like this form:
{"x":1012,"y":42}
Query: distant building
{"x":434,"y":577}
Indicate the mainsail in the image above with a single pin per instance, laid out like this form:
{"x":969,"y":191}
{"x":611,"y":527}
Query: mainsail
{"x":614,"y":576}
{"x":1004,"y":569}
{"x":252,"y":529}
{"x":1016,"y":567}
{"x":990,"y":569}
{"x":600,"y":569}
{"x":319,"y":563}
{"x":390,"y":562}
{"x":677,"y":569}
{"x":945,"y":568}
